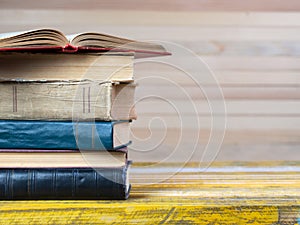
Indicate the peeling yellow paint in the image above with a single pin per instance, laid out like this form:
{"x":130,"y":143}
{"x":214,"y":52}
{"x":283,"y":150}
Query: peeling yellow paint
{"x":232,"y":198}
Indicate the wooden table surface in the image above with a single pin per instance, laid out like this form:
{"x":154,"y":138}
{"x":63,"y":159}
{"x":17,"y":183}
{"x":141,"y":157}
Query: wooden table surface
{"x":225,"y":193}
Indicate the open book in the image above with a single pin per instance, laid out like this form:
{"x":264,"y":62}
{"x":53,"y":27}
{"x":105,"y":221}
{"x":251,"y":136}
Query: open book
{"x":49,"y":39}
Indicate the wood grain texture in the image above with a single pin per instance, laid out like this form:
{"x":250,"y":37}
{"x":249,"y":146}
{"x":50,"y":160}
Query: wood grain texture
{"x":270,"y":196}
{"x":177,"y":5}
{"x":233,"y":108}
{"x":193,"y":93}
{"x":56,"y":17}
{"x":225,"y":78}
{"x":68,"y":212}
{"x":194,"y":121}
{"x":163,"y":26}
{"x":178,"y":145}
{"x":175,"y":33}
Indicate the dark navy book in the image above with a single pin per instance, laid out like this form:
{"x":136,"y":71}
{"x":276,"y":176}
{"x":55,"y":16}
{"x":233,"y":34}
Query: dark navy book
{"x":21,"y":134}
{"x":64,"y":183}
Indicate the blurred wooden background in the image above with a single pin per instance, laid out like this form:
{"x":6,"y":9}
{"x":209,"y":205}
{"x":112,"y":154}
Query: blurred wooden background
{"x":252,"y":47}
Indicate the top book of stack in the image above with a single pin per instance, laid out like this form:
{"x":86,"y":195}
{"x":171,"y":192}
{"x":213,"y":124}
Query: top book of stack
{"x":54,"y":40}
{"x":49,"y":55}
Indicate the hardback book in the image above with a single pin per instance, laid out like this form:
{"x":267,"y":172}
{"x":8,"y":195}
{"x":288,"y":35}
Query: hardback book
{"x":110,"y":183}
{"x":50,"y":39}
{"x":66,"y":100}
{"x":99,"y":67}
{"x":83,"y":135}
{"x":44,"y":158}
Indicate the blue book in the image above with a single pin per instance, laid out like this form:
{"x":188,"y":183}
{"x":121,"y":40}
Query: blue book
{"x":21,"y":134}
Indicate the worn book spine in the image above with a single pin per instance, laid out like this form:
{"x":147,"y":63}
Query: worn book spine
{"x":64,"y":183}
{"x":66,"y":100}
{"x":22,"y":134}
{"x":55,"y":67}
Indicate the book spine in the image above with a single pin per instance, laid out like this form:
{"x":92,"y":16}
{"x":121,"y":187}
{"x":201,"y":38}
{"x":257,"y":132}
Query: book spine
{"x":23,"y":134}
{"x":64,"y":183}
{"x":61,"y":67}
{"x":34,"y":100}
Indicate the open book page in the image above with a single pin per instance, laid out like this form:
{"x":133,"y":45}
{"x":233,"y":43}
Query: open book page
{"x":99,"y":40}
{"x":45,"y":39}
{"x":33,"y":38}
{"x":96,"y":39}
{"x":12,"y":34}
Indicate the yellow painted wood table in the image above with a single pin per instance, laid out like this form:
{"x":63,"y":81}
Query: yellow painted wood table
{"x":224,"y":193}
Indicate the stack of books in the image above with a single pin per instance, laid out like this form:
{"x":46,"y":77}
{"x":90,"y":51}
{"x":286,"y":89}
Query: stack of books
{"x":65,"y":111}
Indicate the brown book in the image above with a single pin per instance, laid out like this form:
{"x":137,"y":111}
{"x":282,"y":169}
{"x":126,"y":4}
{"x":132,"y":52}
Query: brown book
{"x":100,"y":67}
{"x":53,"y":100}
{"x":61,"y":159}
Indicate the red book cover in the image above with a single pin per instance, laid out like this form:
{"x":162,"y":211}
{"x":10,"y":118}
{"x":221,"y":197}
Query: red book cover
{"x":72,"y":49}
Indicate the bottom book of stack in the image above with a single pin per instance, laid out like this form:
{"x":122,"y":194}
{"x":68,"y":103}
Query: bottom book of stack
{"x":63,"y":174}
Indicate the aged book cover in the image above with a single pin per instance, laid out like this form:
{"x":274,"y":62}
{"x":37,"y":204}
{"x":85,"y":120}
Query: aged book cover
{"x":25,"y":134}
{"x":28,"y":66}
{"x":58,"y":100}
{"x":64,"y":183}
